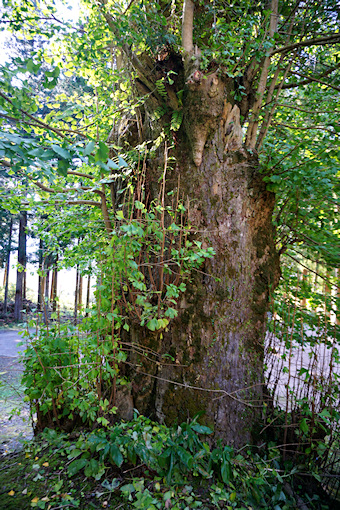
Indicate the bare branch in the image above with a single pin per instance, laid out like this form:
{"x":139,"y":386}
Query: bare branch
{"x":40,"y":122}
{"x":128,"y":7}
{"x":311,"y":112}
{"x":66,"y":202}
{"x":3,"y":162}
{"x":310,"y":79}
{"x":305,"y":82}
{"x":317,"y":41}
{"x":80,"y":174}
{"x":306,"y":128}
{"x":51,"y":190}
{"x":34,"y":124}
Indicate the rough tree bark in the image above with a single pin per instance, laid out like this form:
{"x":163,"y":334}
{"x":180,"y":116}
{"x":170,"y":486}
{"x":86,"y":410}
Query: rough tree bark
{"x":217,"y":339}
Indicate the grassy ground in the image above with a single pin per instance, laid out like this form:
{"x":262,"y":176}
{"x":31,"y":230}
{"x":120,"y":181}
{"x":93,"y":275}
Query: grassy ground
{"x":38,"y":478}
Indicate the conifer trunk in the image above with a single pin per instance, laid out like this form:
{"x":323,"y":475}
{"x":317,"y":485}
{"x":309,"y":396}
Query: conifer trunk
{"x":21,"y":267}
{"x":8,"y":259}
{"x":41,"y":278}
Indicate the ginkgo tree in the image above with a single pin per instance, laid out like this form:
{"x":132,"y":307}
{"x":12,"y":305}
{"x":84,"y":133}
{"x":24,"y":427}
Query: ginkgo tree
{"x":220,"y":104}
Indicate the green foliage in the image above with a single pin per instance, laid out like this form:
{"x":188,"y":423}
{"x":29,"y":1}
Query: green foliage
{"x":70,"y":372}
{"x":179,"y":468}
{"x":176,"y":120}
{"x":302,"y":168}
{"x":150,"y":264}
{"x":61,"y":376}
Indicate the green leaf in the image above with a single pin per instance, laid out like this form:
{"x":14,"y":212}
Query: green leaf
{"x":76,"y":466}
{"x":119,"y":215}
{"x":152,"y":324}
{"x":304,"y":426}
{"x":201,"y":429}
{"x":89,"y":148}
{"x":92,"y":468}
{"x":115,"y":455}
{"x":102,"y":152}
{"x":171,"y":313}
{"x":63,"y":153}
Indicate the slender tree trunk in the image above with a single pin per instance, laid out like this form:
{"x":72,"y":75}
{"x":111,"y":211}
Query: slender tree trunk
{"x":76,"y":295}
{"x":80,"y":292}
{"x":8,"y":259}
{"x":40,"y":279}
{"x":338,"y":296}
{"x":88,"y":291}
{"x":24,"y":287}
{"x":21,"y":267}
{"x":47,"y":289}
{"x":54,"y":286}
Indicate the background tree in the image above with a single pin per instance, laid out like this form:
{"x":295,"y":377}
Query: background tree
{"x":21,"y":267}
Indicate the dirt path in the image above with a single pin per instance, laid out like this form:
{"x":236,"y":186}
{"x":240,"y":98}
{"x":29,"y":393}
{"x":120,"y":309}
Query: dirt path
{"x":11,"y":394}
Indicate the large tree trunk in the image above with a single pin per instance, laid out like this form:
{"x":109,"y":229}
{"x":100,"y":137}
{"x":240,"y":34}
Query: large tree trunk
{"x":217,"y":339}
{"x":21,"y":267}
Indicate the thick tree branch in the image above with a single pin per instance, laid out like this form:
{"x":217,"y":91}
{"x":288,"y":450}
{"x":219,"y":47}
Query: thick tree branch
{"x":270,"y":113}
{"x":141,"y":68}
